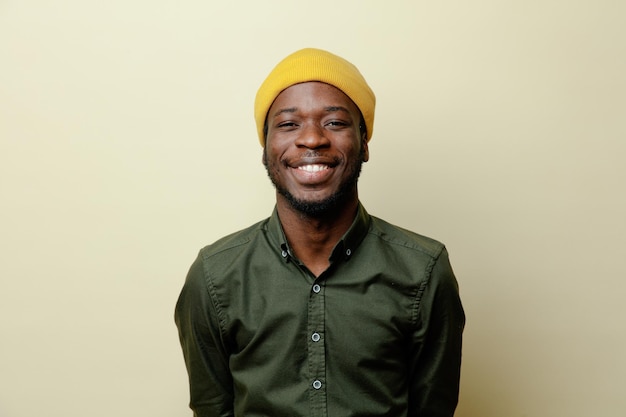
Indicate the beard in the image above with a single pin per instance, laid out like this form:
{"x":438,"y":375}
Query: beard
{"x":323,"y":207}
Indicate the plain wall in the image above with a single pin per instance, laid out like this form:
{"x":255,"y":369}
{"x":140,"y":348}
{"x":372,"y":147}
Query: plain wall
{"x":127,"y":142}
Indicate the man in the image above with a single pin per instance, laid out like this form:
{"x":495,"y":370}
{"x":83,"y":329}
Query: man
{"x":321,"y":309}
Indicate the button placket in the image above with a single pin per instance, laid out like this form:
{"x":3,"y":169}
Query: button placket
{"x":316,"y":348}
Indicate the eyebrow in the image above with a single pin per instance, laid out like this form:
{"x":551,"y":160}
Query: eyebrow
{"x":287,"y":110}
{"x":331,"y":109}
{"x":328,"y":109}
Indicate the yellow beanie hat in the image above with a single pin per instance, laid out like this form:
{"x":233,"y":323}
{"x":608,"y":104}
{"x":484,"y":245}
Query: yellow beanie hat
{"x":314,"y":65}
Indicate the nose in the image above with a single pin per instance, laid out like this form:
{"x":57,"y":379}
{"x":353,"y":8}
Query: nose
{"x":312,"y":136}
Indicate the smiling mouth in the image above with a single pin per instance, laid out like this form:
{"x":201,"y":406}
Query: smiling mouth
{"x":313,"y":168}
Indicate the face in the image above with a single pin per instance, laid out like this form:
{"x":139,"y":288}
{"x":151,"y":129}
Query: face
{"x":314,"y":149}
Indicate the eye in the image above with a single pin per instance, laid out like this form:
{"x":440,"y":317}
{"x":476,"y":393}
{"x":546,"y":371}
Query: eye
{"x":286,"y":125}
{"x":336,"y":124}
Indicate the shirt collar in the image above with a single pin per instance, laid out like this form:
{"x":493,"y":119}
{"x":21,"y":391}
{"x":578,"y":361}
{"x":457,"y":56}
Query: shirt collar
{"x":345,"y":247}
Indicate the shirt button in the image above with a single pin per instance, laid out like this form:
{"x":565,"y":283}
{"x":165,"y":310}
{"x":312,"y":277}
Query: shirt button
{"x":284,"y":254}
{"x":316,"y":288}
{"x":317,"y":384}
{"x":315,"y":337}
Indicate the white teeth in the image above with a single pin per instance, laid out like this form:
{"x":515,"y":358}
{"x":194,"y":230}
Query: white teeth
{"x":313,"y":168}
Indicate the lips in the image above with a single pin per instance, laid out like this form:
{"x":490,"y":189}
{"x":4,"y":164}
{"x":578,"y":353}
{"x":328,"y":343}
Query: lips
{"x":313,"y":167}
{"x":312,"y":171}
{"x":312,"y":162}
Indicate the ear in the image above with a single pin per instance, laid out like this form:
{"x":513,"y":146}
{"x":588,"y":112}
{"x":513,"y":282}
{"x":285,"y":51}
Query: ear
{"x":264,"y":156}
{"x":366,"y":149}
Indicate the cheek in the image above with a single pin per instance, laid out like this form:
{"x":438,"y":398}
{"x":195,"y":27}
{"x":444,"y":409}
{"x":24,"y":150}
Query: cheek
{"x":271,"y":163}
{"x":273,"y":155}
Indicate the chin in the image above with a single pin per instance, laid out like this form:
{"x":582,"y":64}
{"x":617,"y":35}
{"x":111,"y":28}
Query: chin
{"x":318,"y":207}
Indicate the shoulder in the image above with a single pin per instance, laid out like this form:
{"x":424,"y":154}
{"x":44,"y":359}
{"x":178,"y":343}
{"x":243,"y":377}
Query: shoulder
{"x":233,"y":241}
{"x":423,"y":258}
{"x":404,"y":239}
{"x":216,"y":258}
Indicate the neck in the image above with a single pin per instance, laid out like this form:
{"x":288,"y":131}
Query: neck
{"x":312,"y":238}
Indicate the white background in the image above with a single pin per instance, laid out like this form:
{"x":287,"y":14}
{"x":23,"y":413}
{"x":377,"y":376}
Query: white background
{"x":127,"y":142}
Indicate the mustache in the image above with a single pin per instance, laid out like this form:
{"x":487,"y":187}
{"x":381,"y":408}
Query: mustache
{"x":313,"y":156}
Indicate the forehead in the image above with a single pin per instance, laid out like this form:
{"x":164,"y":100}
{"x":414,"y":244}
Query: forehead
{"x":312,"y":95}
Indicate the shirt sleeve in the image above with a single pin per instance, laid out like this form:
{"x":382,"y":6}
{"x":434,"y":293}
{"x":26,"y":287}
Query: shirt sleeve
{"x":435,"y":361}
{"x":205,"y":354}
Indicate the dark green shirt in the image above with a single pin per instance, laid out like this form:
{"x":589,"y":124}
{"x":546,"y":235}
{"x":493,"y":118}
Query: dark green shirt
{"x":377,"y":334}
